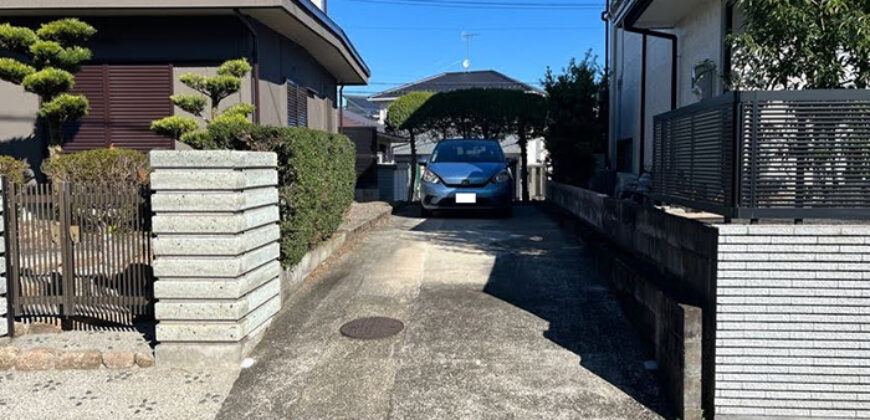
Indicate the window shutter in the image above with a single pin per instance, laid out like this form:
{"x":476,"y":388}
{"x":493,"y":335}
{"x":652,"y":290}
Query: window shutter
{"x":297,"y":105}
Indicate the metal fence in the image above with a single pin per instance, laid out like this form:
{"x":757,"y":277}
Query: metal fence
{"x":79,"y":253}
{"x":751,"y":155}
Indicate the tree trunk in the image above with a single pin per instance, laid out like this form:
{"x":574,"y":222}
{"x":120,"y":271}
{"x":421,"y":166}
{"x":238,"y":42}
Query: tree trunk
{"x":524,"y":164}
{"x":413,"y":182}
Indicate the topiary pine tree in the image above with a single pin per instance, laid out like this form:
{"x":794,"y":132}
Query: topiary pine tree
{"x":49,"y":57}
{"x":223,"y":128}
{"x":397,"y":118}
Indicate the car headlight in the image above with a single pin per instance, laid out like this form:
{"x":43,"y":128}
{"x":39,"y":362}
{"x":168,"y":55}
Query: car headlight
{"x":503,"y":176}
{"x":430,"y":177}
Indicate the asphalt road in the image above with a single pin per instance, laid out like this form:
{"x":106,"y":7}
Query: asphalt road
{"x":504,"y":318}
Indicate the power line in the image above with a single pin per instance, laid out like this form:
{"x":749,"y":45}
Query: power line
{"x":473,"y":4}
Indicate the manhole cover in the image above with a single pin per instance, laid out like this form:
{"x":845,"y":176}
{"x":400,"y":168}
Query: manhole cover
{"x":372,"y":328}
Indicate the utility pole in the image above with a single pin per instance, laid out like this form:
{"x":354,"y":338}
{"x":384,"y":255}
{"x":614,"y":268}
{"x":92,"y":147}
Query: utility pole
{"x":467,"y":36}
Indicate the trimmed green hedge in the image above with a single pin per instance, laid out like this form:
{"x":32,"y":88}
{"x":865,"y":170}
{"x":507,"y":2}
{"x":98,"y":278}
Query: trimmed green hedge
{"x":316,"y":176}
{"x":100,"y":165}
{"x":17,"y":170}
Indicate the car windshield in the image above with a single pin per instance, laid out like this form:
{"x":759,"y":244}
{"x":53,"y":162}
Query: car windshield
{"x":467,"y":151}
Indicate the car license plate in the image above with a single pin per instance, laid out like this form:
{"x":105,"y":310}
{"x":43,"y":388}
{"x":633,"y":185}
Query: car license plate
{"x":466,"y":198}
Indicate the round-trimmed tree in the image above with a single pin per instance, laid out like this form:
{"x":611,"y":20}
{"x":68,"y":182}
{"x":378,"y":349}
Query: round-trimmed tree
{"x":398,"y":116}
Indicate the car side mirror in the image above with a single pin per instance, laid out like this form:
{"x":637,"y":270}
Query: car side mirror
{"x":512,"y":161}
{"x":422,"y":161}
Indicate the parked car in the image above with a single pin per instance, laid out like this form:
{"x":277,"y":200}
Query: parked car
{"x":464,"y":174}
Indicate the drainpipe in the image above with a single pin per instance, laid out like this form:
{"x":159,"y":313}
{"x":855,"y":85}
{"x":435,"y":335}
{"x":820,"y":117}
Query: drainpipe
{"x":255,"y":58}
{"x":340,"y":108}
{"x":673,"y":38}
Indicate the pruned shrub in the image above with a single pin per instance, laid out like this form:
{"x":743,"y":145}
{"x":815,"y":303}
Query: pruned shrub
{"x":316,"y":177}
{"x":101,"y":165}
{"x":15,"y":170}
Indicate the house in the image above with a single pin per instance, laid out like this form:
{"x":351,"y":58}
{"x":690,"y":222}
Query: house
{"x":663,"y":55}
{"x":373,"y":147}
{"x":362,"y":106}
{"x":300,"y":60}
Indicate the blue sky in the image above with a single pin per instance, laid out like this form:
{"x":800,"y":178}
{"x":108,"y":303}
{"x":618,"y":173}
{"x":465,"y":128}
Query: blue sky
{"x":402,"y":43}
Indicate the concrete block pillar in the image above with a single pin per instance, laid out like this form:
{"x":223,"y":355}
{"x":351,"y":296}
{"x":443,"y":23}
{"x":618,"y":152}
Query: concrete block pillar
{"x":216,"y":253}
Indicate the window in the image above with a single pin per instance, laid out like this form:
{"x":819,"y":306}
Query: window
{"x":297,"y":105}
{"x":467,"y":151}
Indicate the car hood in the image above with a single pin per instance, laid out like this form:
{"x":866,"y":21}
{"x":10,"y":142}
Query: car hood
{"x":455,"y":173}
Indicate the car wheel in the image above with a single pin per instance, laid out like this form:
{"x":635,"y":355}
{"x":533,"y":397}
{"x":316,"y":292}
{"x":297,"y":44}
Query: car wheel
{"x":506,"y":212}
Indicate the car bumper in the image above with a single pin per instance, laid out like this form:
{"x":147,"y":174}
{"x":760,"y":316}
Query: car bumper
{"x":443,"y":197}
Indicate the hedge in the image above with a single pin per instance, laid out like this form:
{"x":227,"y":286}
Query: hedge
{"x":16,"y":170}
{"x":100,"y":165}
{"x":316,"y":176}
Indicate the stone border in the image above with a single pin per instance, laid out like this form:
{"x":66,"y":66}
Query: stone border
{"x":48,"y":358}
{"x":293,"y":277}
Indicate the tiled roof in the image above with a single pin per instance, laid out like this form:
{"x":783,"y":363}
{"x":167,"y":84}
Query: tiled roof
{"x":360,"y":104}
{"x":454,"y":81}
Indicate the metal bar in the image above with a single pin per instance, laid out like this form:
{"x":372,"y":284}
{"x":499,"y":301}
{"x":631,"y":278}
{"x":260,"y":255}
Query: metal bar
{"x":9,"y":236}
{"x":66,"y":255}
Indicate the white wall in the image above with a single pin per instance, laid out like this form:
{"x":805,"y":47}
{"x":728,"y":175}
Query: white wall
{"x":699,"y":37}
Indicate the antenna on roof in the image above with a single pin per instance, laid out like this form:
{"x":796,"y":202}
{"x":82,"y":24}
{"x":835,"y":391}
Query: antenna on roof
{"x":467,"y":36}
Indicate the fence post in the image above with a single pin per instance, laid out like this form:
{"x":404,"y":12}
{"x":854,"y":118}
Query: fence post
{"x":216,"y":254}
{"x":7,"y":318}
{"x":66,"y":254}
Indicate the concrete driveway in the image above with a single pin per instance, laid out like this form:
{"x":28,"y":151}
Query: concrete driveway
{"x":504,"y":318}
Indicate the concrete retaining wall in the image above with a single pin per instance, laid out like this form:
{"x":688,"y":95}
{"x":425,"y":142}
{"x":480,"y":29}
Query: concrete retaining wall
{"x":793,"y":321}
{"x":216,"y":253}
{"x":658,"y":264}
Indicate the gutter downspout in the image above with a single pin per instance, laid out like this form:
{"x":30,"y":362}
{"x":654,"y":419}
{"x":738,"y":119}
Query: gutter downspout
{"x":255,"y":57}
{"x":340,"y":108}
{"x":674,"y":43}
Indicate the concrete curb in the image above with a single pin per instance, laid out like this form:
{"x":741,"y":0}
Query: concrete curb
{"x":293,"y":277}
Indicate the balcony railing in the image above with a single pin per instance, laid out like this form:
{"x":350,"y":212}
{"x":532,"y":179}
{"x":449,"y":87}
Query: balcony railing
{"x":756,"y":155}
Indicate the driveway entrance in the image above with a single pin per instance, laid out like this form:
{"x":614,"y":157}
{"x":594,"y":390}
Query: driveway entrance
{"x":504,"y":318}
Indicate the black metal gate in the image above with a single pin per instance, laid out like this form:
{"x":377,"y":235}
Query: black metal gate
{"x":79,"y":253}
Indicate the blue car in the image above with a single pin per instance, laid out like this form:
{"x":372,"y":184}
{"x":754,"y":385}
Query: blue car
{"x":467,"y":175}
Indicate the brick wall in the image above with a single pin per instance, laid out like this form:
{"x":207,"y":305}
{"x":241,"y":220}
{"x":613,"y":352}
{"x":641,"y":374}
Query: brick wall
{"x":793,"y":321}
{"x":216,"y":254}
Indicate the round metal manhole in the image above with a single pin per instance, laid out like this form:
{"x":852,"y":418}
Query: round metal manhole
{"x":372,"y":328}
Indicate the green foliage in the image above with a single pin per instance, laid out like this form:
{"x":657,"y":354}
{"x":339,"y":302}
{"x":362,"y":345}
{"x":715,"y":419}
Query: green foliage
{"x":100,"y":165}
{"x":15,"y":170}
{"x":16,"y":39}
{"x":239,"y":109}
{"x":236,"y":68}
{"x":48,"y":83}
{"x":53,"y":55}
{"x":174,"y":126}
{"x":402,"y":109}
{"x":799,"y":44}
{"x":199,"y":139}
{"x":230,"y":131}
{"x":194,"y":104}
{"x":64,"y":107}
{"x":14,"y":71}
{"x":577,"y":122}
{"x":316,"y":177}
{"x":67,"y":32}
{"x":227,"y":130}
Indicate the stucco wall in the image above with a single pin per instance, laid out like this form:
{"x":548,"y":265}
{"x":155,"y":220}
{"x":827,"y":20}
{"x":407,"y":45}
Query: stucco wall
{"x":700,"y":35}
{"x":280,"y":60}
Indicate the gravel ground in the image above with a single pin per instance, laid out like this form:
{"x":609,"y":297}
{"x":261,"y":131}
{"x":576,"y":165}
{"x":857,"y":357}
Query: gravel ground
{"x":106,"y":394}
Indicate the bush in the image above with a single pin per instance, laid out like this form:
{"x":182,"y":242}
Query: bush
{"x":174,"y":127}
{"x":101,"y":165}
{"x":15,"y":170}
{"x":316,"y":177}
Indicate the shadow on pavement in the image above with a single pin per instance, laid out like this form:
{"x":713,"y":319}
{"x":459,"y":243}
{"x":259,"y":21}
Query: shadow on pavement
{"x":550,"y":274}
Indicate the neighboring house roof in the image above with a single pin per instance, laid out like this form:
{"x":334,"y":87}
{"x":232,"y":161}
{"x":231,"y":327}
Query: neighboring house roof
{"x":350,"y":119}
{"x":424,"y":148}
{"x":361,"y":104}
{"x":446,"y":82}
{"x":298,"y":20}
